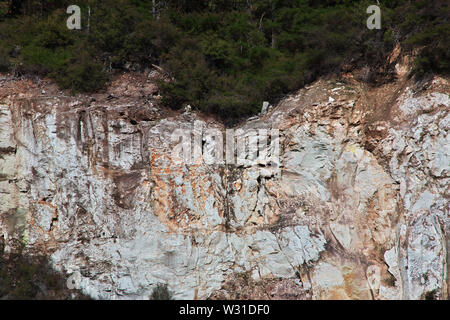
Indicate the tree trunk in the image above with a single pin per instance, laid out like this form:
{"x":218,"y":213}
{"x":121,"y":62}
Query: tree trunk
{"x":89,"y":20}
{"x":273,"y":39}
{"x":249,"y":8}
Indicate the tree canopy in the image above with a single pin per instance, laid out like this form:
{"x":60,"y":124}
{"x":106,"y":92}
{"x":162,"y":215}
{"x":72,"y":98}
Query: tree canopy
{"x":225,"y":56}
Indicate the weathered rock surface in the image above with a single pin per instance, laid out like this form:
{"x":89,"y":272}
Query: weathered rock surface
{"x":359,"y":211}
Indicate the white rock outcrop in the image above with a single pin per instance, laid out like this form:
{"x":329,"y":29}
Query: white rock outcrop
{"x":359,"y":190}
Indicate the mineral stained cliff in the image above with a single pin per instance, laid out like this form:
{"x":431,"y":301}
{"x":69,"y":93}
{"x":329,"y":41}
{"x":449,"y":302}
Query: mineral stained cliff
{"x":359,"y":209}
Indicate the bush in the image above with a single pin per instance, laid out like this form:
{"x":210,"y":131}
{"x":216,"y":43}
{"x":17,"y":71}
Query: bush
{"x":83,"y":74}
{"x":43,"y":60}
{"x":161,"y":292}
{"x":30,"y":277}
{"x":4,"y":59}
{"x":224,"y":57}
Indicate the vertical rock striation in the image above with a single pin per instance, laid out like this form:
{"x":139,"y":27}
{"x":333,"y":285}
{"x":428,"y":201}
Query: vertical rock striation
{"x":360,"y":210}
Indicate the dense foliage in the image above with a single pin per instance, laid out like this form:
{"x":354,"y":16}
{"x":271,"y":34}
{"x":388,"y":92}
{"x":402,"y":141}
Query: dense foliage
{"x":225,"y":56}
{"x":30,"y":277}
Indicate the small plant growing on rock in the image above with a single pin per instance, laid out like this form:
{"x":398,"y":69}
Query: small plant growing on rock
{"x":431,"y":295}
{"x":161,"y":292}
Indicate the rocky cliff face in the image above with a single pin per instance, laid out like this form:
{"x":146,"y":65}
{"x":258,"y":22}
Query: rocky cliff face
{"x":359,"y":209}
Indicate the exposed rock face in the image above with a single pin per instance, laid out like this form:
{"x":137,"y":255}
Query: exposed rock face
{"x":360,"y":210}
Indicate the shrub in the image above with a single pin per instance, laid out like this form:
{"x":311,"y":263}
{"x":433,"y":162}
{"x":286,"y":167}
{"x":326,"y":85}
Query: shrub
{"x":161,"y":292}
{"x":223,"y":56}
{"x":83,"y":74}
{"x":29,"y":277}
{"x":43,"y":60}
{"x":76,"y":68}
{"x":431,"y":295}
{"x":4,"y":59}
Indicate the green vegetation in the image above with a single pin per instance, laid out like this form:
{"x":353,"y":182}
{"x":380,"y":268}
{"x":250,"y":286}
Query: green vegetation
{"x":161,"y":292}
{"x":432,"y":295}
{"x":225,"y":57}
{"x":30,"y":277}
